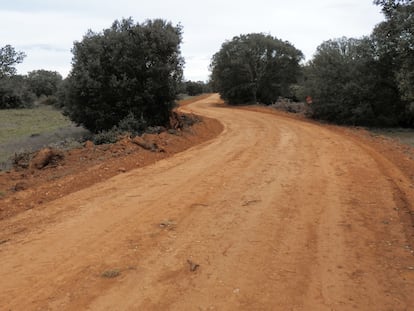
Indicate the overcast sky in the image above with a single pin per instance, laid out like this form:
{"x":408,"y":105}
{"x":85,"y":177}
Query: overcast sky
{"x":46,"y":29}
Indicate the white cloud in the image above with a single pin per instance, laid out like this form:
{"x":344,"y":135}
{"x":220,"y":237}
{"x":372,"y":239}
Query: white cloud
{"x":46,"y":29}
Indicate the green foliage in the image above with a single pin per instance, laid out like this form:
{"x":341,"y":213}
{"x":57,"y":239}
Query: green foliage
{"x":368,"y":81}
{"x":51,"y":100}
{"x":127,"y":69}
{"x":106,"y":137}
{"x":132,"y":124}
{"x":194,"y":88}
{"x":62,"y":94}
{"x":255,"y":68}
{"x":390,"y":6}
{"x":44,"y":82}
{"x":395,"y":40}
{"x":9,"y":57}
{"x":15,"y":92}
{"x":350,"y":85}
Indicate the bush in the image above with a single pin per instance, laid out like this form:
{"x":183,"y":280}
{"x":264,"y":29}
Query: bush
{"x":255,"y":68}
{"x":350,"y":85}
{"x":128,"y":69}
{"x":132,"y":124}
{"x":44,"y":82}
{"x":15,"y":93}
{"x":106,"y":137}
{"x":367,"y":81}
{"x":194,"y":88}
{"x":22,"y":159}
{"x":47,"y":100}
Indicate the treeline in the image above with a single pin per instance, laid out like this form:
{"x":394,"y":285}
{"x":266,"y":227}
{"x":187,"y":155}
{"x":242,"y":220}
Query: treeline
{"x":128,"y":76}
{"x":366,"y":81}
{"x":193,"y":88}
{"x":125,"y":78}
{"x":23,"y":91}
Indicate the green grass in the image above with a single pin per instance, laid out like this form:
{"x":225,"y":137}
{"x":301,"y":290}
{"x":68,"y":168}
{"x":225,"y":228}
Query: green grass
{"x":20,"y":123}
{"x":405,"y":136}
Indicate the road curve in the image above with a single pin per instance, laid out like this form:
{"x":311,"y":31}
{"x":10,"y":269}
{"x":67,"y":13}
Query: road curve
{"x":273,"y":214}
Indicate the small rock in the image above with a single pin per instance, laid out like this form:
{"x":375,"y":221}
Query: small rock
{"x":142,"y":143}
{"x":122,"y":170}
{"x":21,"y":185}
{"x":236,"y":290}
{"x":168,"y":224}
{"x":193,"y":266}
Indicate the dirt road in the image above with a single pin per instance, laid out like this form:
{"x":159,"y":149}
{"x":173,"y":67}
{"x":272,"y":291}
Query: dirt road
{"x":273,"y":214}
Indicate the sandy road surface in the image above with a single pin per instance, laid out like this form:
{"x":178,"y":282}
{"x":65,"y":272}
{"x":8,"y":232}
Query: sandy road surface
{"x":278,"y":214}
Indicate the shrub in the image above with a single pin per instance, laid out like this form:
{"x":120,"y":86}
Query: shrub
{"x":128,"y":69}
{"x":255,"y":68}
{"x":44,"y":82}
{"x":349,"y":85}
{"x":15,"y":93}
{"x":132,"y":124}
{"x":47,"y":100}
{"x":106,"y":137}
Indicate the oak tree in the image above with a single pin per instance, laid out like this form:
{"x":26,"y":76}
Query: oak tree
{"x":255,"y":68}
{"x":129,"y":70}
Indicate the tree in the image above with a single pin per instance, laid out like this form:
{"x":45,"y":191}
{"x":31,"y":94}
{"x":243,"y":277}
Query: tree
{"x":15,"y":93}
{"x":44,"y":82}
{"x":126,"y":70}
{"x":395,"y":41}
{"x":14,"y":90}
{"x":194,"y":88}
{"x":368,"y":81}
{"x":9,"y":57}
{"x":255,"y":68}
{"x":389,"y":7}
{"x":350,"y":85}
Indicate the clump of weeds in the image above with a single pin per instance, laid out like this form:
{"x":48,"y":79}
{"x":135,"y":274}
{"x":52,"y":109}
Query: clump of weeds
{"x":110,"y":274}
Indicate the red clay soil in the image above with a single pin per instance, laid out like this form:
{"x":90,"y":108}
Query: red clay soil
{"x":24,"y":189}
{"x":399,"y":154}
{"x":274,"y":213}
{"x":384,"y":150}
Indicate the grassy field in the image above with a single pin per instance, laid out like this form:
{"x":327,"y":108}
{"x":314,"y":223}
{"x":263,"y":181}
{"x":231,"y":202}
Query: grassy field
{"x":19,"y":123}
{"x":30,"y":129}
